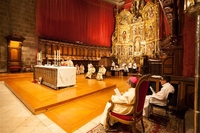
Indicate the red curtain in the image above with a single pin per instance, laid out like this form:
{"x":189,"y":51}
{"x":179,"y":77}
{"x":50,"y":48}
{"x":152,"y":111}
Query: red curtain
{"x":164,"y":28}
{"x":87,"y":21}
{"x":189,"y":39}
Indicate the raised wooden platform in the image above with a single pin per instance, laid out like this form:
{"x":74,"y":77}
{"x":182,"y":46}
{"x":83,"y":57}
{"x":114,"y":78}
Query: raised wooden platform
{"x":70,"y":108}
{"x":40,"y":98}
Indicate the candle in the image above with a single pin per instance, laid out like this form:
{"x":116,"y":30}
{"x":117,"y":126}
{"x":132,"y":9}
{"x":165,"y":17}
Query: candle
{"x":54,"y":55}
{"x":59,"y":54}
{"x":38,"y":56}
{"x":41,"y":55}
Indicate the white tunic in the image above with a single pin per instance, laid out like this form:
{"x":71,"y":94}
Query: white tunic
{"x":82,"y":69}
{"x":157,"y":98}
{"x":69,"y":63}
{"x":127,"y":97}
{"x":100,"y":73}
{"x":91,"y":70}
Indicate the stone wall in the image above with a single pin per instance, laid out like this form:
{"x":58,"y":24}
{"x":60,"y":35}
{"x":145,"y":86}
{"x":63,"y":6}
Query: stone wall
{"x":17,"y":16}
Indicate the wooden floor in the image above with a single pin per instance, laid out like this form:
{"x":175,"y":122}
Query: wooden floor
{"x":70,"y":108}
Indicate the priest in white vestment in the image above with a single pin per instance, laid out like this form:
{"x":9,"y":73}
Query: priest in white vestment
{"x":82,"y":68}
{"x":69,"y":62}
{"x":126,"y":97}
{"x":101,"y":72}
{"x":91,"y":70}
{"x":160,"y":97}
{"x":77,"y":69}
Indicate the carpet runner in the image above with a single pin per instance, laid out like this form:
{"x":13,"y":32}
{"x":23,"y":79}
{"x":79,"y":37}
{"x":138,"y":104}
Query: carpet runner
{"x":154,"y":124}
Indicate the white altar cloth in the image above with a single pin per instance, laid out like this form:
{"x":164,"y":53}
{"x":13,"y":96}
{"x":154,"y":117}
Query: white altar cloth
{"x":66,"y":76}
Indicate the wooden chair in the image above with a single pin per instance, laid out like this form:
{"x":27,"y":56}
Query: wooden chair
{"x":166,"y":107}
{"x":140,"y":94}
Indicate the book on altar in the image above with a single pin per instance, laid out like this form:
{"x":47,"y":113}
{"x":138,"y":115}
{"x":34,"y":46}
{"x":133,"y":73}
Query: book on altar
{"x":117,"y":92}
{"x":152,"y":90}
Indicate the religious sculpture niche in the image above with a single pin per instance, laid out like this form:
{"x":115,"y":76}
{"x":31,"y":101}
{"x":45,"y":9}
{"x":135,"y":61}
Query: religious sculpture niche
{"x":136,"y":33}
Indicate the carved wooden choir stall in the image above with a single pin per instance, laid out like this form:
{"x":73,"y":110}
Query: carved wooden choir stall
{"x":14,"y":61}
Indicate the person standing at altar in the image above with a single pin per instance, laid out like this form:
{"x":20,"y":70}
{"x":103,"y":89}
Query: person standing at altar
{"x":101,"y":72}
{"x":77,"y":69}
{"x":82,"y":69}
{"x":63,"y":63}
{"x":69,"y":62}
{"x":91,"y":71}
{"x":127,"y":97}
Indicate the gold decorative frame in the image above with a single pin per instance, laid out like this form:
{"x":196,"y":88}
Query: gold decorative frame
{"x":136,"y":34}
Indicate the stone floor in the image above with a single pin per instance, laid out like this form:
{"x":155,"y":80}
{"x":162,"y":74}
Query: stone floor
{"x":16,"y":118}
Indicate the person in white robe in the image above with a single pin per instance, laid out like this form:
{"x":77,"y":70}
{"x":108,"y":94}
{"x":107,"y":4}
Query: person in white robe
{"x":126,"y":97}
{"x":101,"y":72}
{"x":89,"y":65}
{"x":82,"y":68}
{"x":134,"y":67}
{"x":130,"y":67}
{"x":125,"y":70}
{"x":69,"y":62}
{"x":113,"y":64}
{"x":159,"y":97}
{"x":91,"y":70}
{"x":63,"y":63}
{"x":77,"y":69}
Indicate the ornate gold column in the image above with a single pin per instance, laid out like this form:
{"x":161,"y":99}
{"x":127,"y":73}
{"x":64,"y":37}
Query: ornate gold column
{"x":192,"y":7}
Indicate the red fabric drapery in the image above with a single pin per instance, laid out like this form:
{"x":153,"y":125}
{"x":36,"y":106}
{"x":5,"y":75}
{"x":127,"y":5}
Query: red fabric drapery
{"x":87,"y":21}
{"x":164,"y":28}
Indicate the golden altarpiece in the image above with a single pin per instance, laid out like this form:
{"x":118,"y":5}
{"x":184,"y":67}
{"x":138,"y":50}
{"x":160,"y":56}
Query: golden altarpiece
{"x":136,"y":34}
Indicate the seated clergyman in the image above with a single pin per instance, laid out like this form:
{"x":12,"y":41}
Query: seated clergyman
{"x":127,"y":97}
{"x":91,"y":70}
{"x":101,"y":72}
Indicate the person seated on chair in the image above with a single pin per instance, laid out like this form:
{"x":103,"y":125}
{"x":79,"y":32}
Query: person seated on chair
{"x":134,"y":67}
{"x":101,"y":72}
{"x":125,"y":70}
{"x":160,"y":97}
{"x":77,"y":69}
{"x":91,"y":70}
{"x":130,"y":67}
{"x":126,"y":97}
{"x":82,"y":68}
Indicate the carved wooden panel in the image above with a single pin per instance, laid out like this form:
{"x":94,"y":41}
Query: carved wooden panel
{"x":65,"y":49}
{"x":15,"y":54}
{"x":14,"y":51}
{"x":189,"y":96}
{"x":77,"y":52}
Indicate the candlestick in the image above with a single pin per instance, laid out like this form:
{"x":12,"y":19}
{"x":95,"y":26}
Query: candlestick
{"x":54,"y":55}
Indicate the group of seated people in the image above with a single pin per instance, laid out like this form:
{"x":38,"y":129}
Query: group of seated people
{"x":92,"y":70}
{"x":80,"y":69}
{"x":130,"y":68}
{"x":129,"y":96}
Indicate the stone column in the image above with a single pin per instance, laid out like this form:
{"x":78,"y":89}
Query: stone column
{"x":192,"y":7}
{"x":197,"y":79}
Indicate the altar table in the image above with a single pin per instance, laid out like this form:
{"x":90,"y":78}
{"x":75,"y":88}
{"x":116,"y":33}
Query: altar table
{"x":55,"y":77}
